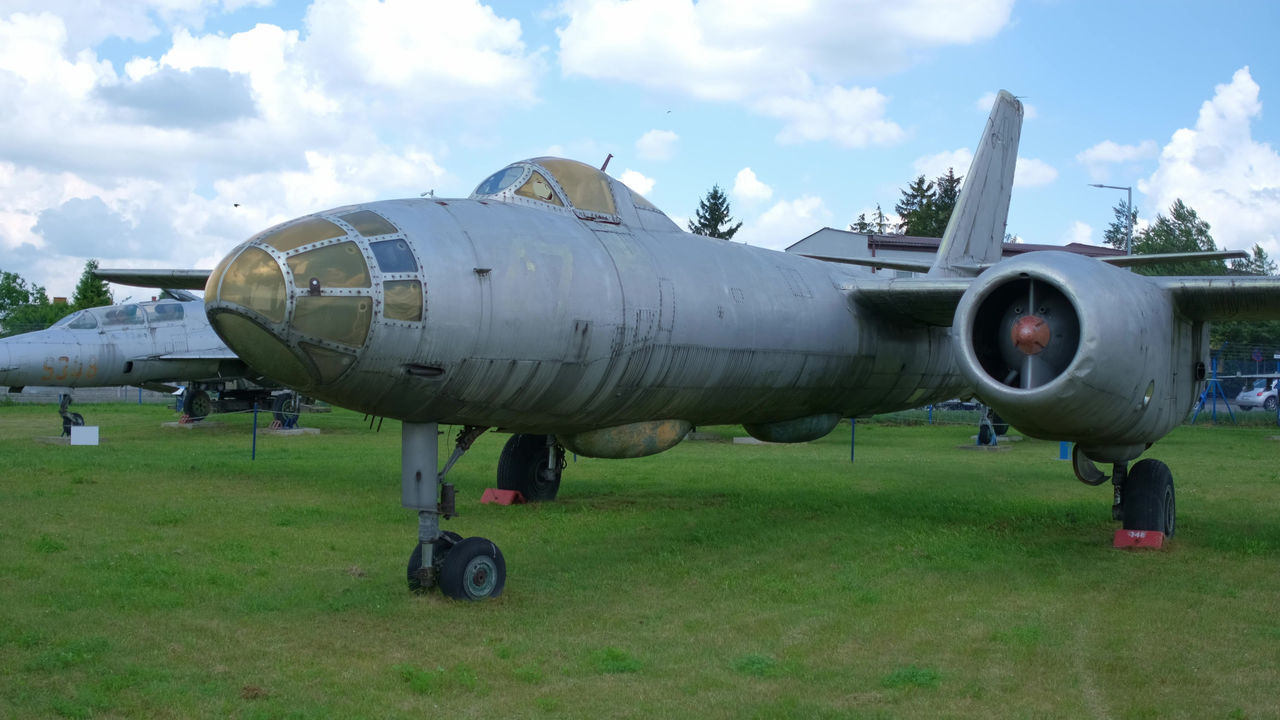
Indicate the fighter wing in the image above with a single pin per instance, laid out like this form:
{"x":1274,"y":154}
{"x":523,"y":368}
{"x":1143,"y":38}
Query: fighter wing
{"x":1225,"y":297}
{"x":927,"y":301}
{"x":220,"y":353}
{"x":179,"y":279}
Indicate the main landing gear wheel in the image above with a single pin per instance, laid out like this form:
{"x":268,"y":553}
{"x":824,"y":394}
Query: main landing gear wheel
{"x":532,"y":465}
{"x":417,"y":582}
{"x":196,"y":404}
{"x":1148,"y":500}
{"x":284,"y":409}
{"x":473,"y":570}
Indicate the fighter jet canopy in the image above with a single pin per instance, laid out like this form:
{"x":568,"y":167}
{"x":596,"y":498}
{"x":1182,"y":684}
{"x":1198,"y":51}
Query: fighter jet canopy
{"x":571,"y":186}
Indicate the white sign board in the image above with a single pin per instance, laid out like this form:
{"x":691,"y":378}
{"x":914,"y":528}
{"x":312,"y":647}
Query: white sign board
{"x":84,"y":434}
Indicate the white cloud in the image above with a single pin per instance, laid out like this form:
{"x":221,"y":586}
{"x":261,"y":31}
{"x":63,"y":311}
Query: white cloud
{"x":987,"y":101}
{"x":656,"y":145}
{"x":748,"y":187}
{"x":935,"y":166}
{"x":748,"y":53}
{"x":785,"y":223}
{"x":1099,"y":158}
{"x":1079,"y":232}
{"x":423,"y":53}
{"x":637,"y":182}
{"x":292,"y":121}
{"x":1217,"y":168}
{"x":89,"y":22}
{"x":850,"y":117}
{"x":1031,"y":172}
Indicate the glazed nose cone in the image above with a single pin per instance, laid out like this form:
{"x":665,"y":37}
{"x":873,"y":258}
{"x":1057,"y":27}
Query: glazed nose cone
{"x":295,"y":302}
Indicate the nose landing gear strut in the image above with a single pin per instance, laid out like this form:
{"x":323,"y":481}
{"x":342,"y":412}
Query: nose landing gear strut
{"x":464,"y":568}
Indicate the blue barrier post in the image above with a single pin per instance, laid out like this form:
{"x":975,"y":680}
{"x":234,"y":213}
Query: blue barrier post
{"x":254,"y":454}
{"x":1064,"y":450}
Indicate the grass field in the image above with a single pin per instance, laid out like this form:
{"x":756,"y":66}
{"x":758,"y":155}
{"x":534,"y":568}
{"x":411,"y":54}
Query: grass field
{"x":165,"y":574}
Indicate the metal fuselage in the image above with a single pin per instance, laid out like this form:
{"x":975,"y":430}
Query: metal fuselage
{"x":127,"y":344}
{"x":538,"y":320}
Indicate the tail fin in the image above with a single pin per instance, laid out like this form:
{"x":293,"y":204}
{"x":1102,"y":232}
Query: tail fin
{"x":975,"y":233}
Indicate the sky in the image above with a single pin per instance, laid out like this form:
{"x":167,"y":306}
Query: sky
{"x":162,"y":133}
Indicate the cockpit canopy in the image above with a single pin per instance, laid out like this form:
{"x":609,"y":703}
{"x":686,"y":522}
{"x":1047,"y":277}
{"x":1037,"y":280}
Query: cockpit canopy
{"x":571,"y":186}
{"x":138,"y":314}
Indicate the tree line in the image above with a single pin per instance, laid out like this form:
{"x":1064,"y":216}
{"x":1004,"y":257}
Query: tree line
{"x":26,"y":307}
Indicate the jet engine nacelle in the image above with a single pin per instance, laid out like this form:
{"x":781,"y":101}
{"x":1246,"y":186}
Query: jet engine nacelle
{"x":1065,"y":347}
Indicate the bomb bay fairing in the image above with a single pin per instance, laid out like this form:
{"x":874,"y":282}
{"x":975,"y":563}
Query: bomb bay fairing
{"x":559,"y":305}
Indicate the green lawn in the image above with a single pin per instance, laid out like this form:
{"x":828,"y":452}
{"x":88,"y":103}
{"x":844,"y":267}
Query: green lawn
{"x":166,"y":574}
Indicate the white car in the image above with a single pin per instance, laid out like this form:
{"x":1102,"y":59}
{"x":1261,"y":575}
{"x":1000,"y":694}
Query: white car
{"x":1262,"y":394}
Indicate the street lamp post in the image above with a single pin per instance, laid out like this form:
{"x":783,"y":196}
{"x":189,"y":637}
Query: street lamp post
{"x":1128,"y":237}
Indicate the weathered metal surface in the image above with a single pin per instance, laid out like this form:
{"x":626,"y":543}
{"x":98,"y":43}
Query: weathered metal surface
{"x":130,"y":344}
{"x":794,"y":431}
{"x":557,"y":301}
{"x":628,"y":441}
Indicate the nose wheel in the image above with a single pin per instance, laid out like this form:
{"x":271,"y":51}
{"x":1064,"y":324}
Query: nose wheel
{"x":463,"y":568}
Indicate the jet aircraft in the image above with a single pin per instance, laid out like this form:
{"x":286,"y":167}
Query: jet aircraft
{"x":559,"y":305}
{"x":147,"y":344}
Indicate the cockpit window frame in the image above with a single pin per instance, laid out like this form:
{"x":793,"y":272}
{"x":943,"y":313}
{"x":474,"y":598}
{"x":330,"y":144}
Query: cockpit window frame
{"x":587,"y":189}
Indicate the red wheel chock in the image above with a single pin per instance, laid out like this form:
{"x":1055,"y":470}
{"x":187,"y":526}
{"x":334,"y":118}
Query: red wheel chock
{"x":1150,"y":539}
{"x":502,"y":497}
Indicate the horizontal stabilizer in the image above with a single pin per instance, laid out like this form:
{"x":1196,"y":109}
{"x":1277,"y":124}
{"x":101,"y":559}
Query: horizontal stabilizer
{"x":878,"y":263}
{"x":1166,"y":258}
{"x":179,"y":279}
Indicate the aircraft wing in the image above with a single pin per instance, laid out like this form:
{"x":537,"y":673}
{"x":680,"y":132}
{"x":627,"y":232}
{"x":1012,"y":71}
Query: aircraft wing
{"x":1166,"y":258}
{"x":1225,"y":297}
{"x":927,"y":301}
{"x":179,"y":279}
{"x":930,"y":301}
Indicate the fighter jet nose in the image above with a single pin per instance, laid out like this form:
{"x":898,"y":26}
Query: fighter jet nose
{"x":295,"y":303}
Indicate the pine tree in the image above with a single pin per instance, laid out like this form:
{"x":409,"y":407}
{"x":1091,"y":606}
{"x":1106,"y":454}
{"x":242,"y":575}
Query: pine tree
{"x":946,"y":193}
{"x":1117,"y":234}
{"x":713,"y":218}
{"x":916,"y":208}
{"x":90,"y":291}
{"x":877,"y":225}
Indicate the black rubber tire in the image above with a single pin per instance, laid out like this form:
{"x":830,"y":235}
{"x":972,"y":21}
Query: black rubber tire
{"x":473,"y":570}
{"x":521,"y":466}
{"x":444,"y":544}
{"x":1148,"y":498}
{"x":1269,"y":404}
{"x":196,"y":404}
{"x":284,"y":408}
{"x":997,"y":423}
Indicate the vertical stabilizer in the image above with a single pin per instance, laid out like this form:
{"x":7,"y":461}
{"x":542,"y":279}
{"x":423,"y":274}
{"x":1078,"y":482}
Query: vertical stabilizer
{"x":976,"y":230}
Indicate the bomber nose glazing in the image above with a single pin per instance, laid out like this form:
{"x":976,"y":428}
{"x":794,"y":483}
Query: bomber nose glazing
{"x":296,"y":302}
